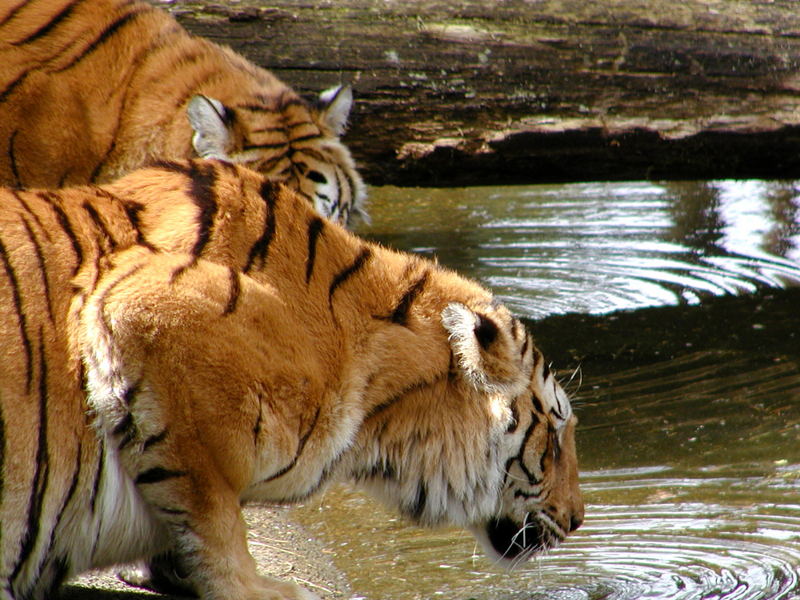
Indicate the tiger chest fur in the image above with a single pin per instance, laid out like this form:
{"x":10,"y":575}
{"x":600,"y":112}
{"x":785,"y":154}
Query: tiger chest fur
{"x":192,"y":337}
{"x":93,"y":89}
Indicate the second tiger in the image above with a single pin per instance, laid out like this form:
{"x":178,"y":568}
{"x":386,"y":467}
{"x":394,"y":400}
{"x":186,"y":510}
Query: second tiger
{"x":93,"y":89}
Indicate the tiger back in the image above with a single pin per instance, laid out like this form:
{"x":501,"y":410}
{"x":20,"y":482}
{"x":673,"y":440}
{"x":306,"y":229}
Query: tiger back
{"x":193,"y":337}
{"x":93,"y":89}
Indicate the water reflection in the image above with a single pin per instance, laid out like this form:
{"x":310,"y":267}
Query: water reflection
{"x":603,"y":247}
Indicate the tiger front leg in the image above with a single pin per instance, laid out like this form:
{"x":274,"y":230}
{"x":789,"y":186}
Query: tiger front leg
{"x":175,"y":380}
{"x":210,"y":557}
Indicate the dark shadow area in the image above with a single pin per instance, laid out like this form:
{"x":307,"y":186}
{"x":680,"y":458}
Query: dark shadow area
{"x":765,"y":325}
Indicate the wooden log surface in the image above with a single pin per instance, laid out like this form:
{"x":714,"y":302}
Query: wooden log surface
{"x":461,"y":92}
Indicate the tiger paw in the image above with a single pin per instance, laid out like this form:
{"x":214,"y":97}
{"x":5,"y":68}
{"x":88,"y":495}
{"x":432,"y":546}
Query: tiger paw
{"x":281,"y":590}
{"x":161,"y":574}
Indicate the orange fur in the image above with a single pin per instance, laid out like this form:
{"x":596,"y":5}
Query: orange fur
{"x":192,"y":337}
{"x":93,"y":89}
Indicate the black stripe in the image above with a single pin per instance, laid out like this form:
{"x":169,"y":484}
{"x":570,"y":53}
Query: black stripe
{"x":350,"y":202}
{"x":532,"y":479}
{"x":173,"y":167}
{"x":129,"y":395}
{"x":267,"y":166}
{"x":414,"y":387}
{"x":182,"y":269}
{"x":157,"y":475}
{"x":340,"y":200}
{"x":417,"y":507}
{"x":300,"y":447}
{"x":351,"y":183}
{"x":288,"y":98}
{"x":74,"y":486}
{"x":47,"y":27}
{"x":126,"y":427}
{"x":259,"y":250}
{"x":527,"y":495}
{"x":144,"y":53}
{"x":554,"y":446}
{"x":514,"y":423}
{"x":12,"y":156}
{"x":383,"y":469}
{"x":174,"y":512}
{"x":12,"y":86}
{"x":61,"y":569}
{"x":41,"y":476}
{"x":37,"y":248}
{"x":153,"y":440}
{"x":544,"y":455}
{"x":257,"y":426}
{"x":315,"y":227}
{"x":203,"y":180}
{"x":21,"y":318}
{"x":327,"y":471}
{"x":14,"y":12}
{"x":97,"y":478}
{"x":102,"y":306}
{"x":60,"y":564}
{"x":132,"y":210}
{"x":273,"y":146}
{"x":305,"y":138}
{"x":525,"y":343}
{"x":537,"y":403}
{"x":236,"y":290}
{"x":284,"y":129}
{"x":108,"y":239}
{"x":62,"y":181}
{"x":400,"y":313}
{"x":303,"y":194}
{"x":348,"y":272}
{"x":53,"y":201}
{"x":313,"y":153}
{"x":2,"y":452}
{"x":104,"y":36}
{"x":21,"y":199}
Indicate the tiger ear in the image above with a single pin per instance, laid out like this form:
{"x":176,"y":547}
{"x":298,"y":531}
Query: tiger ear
{"x":476,"y":342}
{"x":210,"y":121}
{"x":334,"y":107}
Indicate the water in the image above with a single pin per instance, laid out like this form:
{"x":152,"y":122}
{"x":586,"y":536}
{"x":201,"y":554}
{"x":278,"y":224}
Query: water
{"x":689,"y":405}
{"x":604,"y":246}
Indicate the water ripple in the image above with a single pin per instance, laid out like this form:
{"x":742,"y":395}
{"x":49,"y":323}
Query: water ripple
{"x":603,"y":247}
{"x":681,"y":552}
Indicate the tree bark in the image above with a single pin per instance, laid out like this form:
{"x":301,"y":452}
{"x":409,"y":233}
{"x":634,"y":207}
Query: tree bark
{"x":521,"y":91}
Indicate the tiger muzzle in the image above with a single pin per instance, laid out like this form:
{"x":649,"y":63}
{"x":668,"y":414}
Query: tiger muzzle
{"x":516,"y":542}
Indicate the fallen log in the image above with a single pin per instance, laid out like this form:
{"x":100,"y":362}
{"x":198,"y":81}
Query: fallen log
{"x":475,"y":92}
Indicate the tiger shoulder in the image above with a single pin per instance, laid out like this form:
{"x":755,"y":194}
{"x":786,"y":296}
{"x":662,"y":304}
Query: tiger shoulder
{"x":193,"y":337}
{"x":93,"y":89}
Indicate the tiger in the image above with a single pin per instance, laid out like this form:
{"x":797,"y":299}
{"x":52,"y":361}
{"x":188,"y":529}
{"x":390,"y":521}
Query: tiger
{"x":93,"y":89}
{"x":193,"y":337}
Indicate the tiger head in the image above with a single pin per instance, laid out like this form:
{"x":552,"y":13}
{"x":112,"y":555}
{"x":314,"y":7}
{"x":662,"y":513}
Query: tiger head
{"x":488,"y":444}
{"x":301,"y":147}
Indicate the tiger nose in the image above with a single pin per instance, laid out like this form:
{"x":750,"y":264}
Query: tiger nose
{"x":575,"y":521}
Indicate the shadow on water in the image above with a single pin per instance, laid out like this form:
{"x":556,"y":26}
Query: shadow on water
{"x":689,"y":405}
